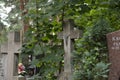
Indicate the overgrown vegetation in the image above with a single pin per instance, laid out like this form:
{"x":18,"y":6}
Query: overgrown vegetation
{"x":95,"y":18}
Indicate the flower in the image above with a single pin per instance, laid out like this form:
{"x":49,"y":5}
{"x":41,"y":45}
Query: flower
{"x":21,"y":69}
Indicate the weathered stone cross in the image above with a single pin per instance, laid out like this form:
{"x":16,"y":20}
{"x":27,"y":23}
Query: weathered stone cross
{"x":67,"y":35}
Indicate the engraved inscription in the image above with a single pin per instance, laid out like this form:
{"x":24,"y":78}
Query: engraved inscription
{"x":115,"y":38}
{"x":116,"y":43}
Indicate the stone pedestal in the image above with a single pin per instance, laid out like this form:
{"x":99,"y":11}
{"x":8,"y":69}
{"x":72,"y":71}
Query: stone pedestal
{"x":19,"y":78}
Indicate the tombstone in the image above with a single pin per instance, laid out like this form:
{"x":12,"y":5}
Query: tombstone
{"x":10,"y":53}
{"x":113,"y":40}
{"x":68,"y":34}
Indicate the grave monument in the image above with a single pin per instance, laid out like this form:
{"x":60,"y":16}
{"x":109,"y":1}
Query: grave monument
{"x":113,"y":40}
{"x":9,"y":56}
{"x":68,"y":34}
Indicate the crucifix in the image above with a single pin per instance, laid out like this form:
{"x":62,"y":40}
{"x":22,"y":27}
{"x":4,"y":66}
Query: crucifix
{"x":68,"y":34}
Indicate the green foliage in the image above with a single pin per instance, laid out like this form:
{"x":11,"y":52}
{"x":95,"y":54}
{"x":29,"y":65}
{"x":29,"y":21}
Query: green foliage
{"x":92,"y":50}
{"x":41,"y":39}
{"x":98,"y":72}
{"x":3,"y":36}
{"x":3,"y":33}
{"x":95,"y":17}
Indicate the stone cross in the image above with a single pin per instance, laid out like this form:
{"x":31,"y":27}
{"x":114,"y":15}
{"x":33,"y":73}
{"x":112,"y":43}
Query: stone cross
{"x":9,"y":52}
{"x":67,"y":35}
{"x":113,"y":40}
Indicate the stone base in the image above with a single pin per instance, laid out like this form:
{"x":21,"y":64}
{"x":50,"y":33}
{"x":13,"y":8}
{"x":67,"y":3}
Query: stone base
{"x":19,"y":78}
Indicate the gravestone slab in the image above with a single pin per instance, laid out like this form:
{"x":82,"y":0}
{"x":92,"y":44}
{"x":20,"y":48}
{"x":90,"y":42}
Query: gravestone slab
{"x":113,"y":40}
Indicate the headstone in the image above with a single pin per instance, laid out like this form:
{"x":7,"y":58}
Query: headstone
{"x":67,"y":35}
{"x":113,"y":40}
{"x":9,"y":48}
